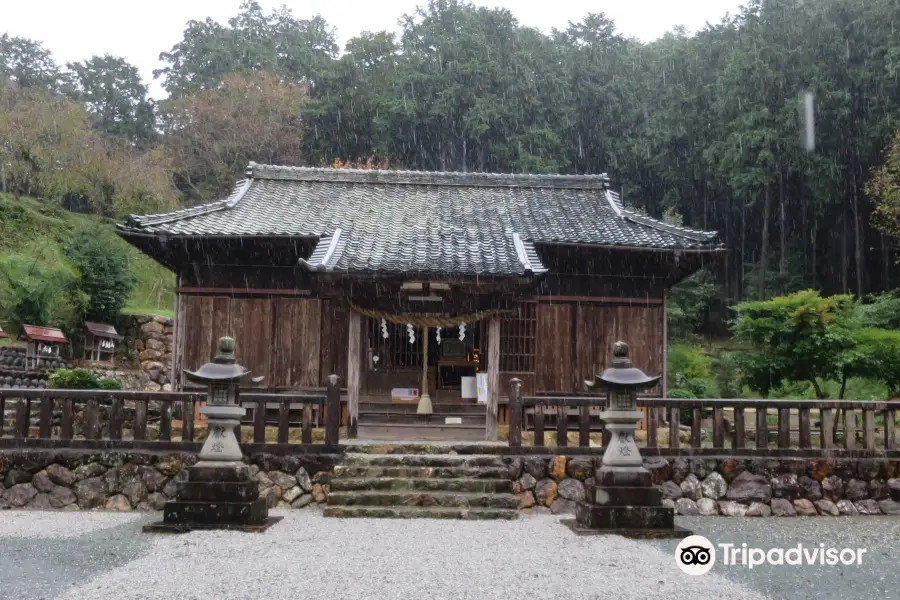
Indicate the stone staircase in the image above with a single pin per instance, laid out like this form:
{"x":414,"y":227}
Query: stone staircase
{"x":408,"y":486}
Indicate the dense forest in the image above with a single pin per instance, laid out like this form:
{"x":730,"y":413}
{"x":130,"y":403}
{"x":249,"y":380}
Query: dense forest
{"x":771,"y":126}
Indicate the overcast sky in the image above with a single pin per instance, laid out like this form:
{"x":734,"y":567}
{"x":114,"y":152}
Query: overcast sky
{"x":77,"y":29}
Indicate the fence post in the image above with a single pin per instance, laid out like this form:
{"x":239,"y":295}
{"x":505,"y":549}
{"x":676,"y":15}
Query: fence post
{"x":515,"y":412}
{"x":333,"y":411}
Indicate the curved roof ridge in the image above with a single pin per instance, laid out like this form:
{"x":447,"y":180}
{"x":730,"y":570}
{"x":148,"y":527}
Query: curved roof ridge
{"x":240,"y":189}
{"x":443,"y":178}
{"x":694,"y":234}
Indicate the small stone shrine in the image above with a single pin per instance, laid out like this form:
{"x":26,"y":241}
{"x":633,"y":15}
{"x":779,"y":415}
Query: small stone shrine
{"x":219,"y":492}
{"x":623,"y":499}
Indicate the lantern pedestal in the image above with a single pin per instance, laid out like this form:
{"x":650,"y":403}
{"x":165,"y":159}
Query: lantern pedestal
{"x":623,"y":500}
{"x":216,"y":496}
{"x":219,"y":492}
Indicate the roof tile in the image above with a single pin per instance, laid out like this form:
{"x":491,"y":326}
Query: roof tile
{"x":402,"y":221}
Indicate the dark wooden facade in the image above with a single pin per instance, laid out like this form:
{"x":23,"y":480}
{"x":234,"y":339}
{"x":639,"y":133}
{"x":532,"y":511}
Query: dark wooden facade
{"x":553,"y":338}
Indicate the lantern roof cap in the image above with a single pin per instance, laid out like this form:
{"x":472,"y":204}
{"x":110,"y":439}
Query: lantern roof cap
{"x":622,"y":373}
{"x":224,"y":368}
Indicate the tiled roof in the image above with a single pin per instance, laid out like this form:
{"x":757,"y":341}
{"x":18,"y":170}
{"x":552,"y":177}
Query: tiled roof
{"x":412,"y":221}
{"x":43,"y":334}
{"x":102,"y":330}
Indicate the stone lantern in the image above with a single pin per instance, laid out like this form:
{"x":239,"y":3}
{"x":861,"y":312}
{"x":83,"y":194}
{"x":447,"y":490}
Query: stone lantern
{"x":219,"y":492}
{"x":623,"y":499}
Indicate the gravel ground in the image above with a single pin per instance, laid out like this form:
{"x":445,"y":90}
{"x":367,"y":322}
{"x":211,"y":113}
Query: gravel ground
{"x":308,"y":556}
{"x":43,"y":553}
{"x":877,"y":577}
{"x":57,"y":525}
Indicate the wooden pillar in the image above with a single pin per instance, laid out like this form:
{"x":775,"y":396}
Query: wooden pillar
{"x":177,"y":374}
{"x":493,"y":378}
{"x":354,"y":360}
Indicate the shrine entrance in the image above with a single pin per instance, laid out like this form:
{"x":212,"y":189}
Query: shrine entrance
{"x":424,"y":376}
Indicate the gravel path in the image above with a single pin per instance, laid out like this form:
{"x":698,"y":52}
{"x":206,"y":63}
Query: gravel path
{"x":308,"y":556}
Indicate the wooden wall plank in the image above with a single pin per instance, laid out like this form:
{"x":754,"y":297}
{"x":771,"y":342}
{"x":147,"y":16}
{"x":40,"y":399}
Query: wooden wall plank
{"x":197,"y":327}
{"x":334,"y":332}
{"x":252,"y":321}
{"x":554,"y":369}
{"x":283,"y":345}
{"x":307,"y":343}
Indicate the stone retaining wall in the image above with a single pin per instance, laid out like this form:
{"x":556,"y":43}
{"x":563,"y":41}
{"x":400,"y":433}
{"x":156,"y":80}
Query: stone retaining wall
{"x":728,"y":487}
{"x":149,"y":345}
{"x":141,"y":480}
{"x":124,"y":481}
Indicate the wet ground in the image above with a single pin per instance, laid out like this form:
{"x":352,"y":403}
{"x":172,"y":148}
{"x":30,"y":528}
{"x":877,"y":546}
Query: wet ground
{"x":105,"y":555}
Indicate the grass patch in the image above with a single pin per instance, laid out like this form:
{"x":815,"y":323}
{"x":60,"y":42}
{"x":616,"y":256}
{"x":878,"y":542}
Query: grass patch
{"x":30,"y":219}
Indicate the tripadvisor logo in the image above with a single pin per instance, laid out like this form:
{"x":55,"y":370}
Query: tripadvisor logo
{"x":696,"y":555}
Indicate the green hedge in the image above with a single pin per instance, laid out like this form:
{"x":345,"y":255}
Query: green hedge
{"x":80,"y":379}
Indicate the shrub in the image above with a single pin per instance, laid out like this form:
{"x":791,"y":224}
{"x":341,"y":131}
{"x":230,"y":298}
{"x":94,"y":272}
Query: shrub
{"x":104,"y":276}
{"x":80,"y":379}
{"x":110,"y":384}
{"x":726,"y":374}
{"x":37,"y":286}
{"x":688,"y":302}
{"x":800,"y":337}
{"x":690,"y":368}
{"x":879,"y":311}
{"x":73,"y":379}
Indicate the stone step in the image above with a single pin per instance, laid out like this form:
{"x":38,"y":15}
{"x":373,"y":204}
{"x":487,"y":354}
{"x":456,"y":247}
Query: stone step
{"x":416,"y":431}
{"x":422,"y":460}
{"x":423,"y":498}
{"x":407,"y":472}
{"x":497,"y":486}
{"x":419,"y":512}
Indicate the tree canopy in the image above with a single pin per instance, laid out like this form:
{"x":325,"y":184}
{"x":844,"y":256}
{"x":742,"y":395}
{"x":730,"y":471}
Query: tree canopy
{"x":713,"y":127}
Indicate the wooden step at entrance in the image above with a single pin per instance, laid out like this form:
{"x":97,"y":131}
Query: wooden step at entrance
{"x":437,"y":419}
{"x":438,"y":486}
{"x":414,"y":431}
{"x":410,"y":409}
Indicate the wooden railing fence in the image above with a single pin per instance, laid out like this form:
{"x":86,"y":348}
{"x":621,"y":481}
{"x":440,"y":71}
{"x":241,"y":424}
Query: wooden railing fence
{"x":859,"y":430}
{"x":57,"y":411}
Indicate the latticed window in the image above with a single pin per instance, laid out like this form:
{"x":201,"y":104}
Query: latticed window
{"x":517,"y":333}
{"x":394,"y":351}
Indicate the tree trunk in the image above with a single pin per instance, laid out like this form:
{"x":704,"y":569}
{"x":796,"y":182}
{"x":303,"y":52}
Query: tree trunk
{"x":782,"y":225}
{"x":804,"y":226}
{"x":844,"y":285}
{"x":885,"y":264}
{"x":741,"y":273}
{"x":764,"y":246}
{"x":857,"y":234}
{"x":815,"y":253}
{"x":819,"y":394}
